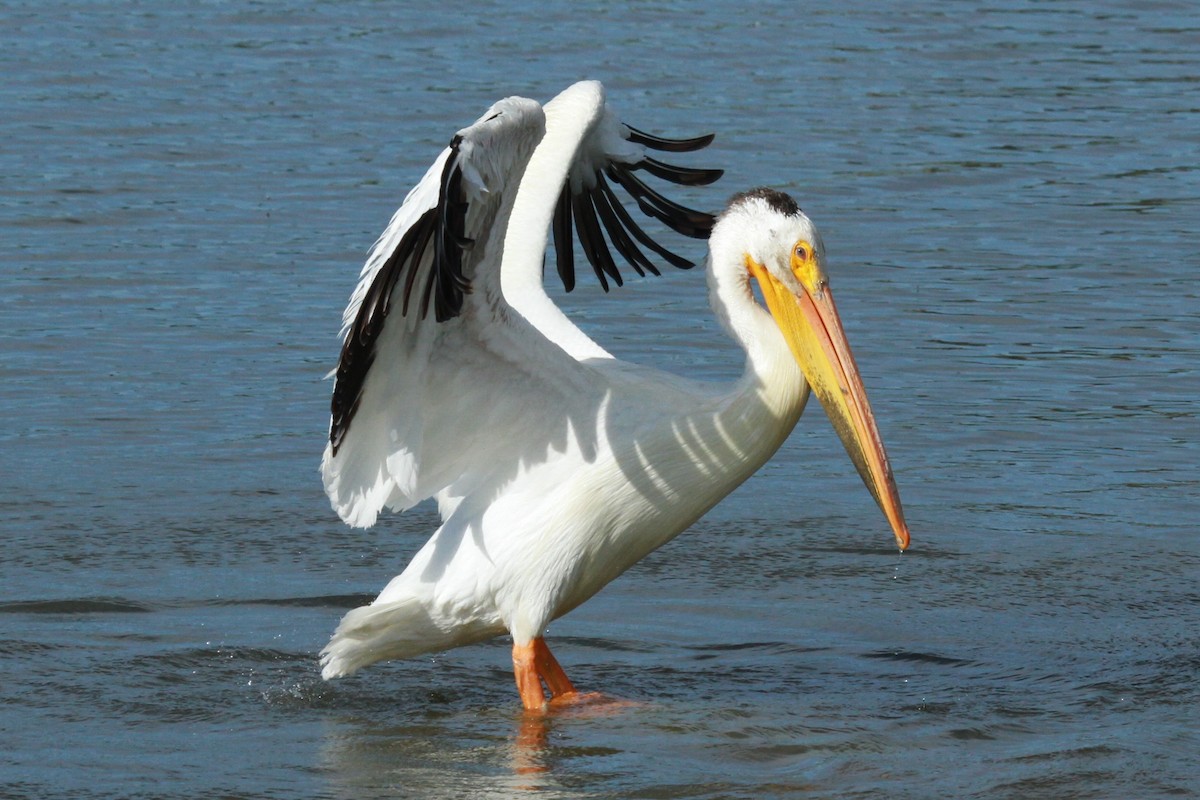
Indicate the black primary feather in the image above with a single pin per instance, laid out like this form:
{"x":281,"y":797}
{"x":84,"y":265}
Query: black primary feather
{"x":669,"y":145}
{"x":599,"y":217}
{"x":441,"y":229}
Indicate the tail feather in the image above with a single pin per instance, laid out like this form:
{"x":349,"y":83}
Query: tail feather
{"x":379,"y":632}
{"x":391,"y":630}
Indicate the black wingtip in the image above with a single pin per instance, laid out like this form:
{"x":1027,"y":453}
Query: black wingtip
{"x":669,"y":145}
{"x":684,"y":176}
{"x":602,"y":225}
{"x":564,"y":245}
{"x":439,"y":235}
{"x":681,"y":219}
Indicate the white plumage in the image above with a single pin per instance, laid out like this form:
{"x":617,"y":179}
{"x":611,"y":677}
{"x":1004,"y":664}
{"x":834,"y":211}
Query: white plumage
{"x":554,"y":465}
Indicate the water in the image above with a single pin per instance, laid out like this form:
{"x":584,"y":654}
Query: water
{"x":1009,"y":197}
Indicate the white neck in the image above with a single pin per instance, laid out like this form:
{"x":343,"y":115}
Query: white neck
{"x":701,"y":454}
{"x":766,"y":402}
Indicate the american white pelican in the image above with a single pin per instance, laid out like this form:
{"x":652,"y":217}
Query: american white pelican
{"x":555,"y":465}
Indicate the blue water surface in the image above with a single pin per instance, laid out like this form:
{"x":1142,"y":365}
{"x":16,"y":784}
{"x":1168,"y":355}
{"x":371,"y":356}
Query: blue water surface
{"x":1008,"y":194}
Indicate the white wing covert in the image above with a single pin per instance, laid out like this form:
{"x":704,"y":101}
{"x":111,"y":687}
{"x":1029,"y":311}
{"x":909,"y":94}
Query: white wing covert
{"x":453,"y":374}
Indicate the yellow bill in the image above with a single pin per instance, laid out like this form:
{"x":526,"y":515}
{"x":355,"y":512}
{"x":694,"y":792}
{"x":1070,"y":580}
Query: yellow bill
{"x":813,"y":330}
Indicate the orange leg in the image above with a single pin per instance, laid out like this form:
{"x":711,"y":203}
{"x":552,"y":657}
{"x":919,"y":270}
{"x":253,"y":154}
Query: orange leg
{"x":547,"y":666}
{"x":533,"y":663}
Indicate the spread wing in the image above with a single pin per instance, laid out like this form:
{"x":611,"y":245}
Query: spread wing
{"x":456,"y":373}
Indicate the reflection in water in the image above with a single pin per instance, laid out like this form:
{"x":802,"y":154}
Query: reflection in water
{"x":462,"y":754}
{"x":532,"y":754}
{"x":530,"y":758}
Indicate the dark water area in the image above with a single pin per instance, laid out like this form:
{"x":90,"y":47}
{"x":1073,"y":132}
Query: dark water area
{"x":1008,"y":195}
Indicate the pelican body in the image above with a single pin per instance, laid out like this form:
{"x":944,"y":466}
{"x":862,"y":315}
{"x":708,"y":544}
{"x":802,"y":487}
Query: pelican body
{"x":556,"y":466}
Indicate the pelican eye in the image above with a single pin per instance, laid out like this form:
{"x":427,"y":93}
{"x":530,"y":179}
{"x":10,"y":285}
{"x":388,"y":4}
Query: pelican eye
{"x":804,"y":266}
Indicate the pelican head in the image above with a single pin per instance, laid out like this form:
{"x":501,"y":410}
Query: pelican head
{"x":780,"y":249}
